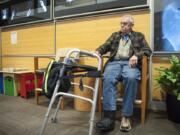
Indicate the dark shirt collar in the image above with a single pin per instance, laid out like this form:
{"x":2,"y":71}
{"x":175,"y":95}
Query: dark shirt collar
{"x":129,"y":34}
{"x":125,"y":36}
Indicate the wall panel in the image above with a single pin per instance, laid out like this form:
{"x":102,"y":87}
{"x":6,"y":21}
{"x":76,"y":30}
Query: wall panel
{"x":36,"y":39}
{"x":89,"y":33}
{"x":18,"y":62}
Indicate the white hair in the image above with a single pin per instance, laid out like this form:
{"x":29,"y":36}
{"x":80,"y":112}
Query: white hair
{"x":129,"y":17}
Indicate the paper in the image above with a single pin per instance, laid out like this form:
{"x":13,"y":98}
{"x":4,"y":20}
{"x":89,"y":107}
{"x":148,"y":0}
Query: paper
{"x":13,"y":37}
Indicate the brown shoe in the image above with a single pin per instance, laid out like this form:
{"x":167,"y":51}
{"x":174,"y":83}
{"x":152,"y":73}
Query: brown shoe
{"x":125,"y":125}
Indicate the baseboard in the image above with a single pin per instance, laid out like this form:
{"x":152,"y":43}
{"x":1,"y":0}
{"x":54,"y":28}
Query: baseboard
{"x":157,"y":106}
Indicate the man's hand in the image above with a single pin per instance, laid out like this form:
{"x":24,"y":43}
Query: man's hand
{"x":133,"y":61}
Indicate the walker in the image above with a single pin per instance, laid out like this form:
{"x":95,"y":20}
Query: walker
{"x":95,"y":74}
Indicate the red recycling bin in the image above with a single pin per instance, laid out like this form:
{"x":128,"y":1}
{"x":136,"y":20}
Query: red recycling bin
{"x":26,"y":84}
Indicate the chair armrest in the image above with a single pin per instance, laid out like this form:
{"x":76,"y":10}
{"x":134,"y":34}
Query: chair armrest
{"x":144,"y":70}
{"x":36,"y":61}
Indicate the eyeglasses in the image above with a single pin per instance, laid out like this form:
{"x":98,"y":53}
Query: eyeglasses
{"x":124,"y":23}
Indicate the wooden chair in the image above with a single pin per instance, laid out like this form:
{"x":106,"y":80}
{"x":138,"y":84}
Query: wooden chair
{"x":60,"y":55}
{"x":38,"y":90}
{"x":142,"y":100}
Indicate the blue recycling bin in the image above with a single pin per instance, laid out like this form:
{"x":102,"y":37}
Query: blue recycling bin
{"x":1,"y":84}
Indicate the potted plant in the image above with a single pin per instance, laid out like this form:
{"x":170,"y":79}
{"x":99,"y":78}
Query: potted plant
{"x":169,"y":80}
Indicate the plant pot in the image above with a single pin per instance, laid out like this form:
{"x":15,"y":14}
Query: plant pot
{"x":173,"y":108}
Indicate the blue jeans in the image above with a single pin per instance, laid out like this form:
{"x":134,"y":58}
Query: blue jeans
{"x":116,"y":71}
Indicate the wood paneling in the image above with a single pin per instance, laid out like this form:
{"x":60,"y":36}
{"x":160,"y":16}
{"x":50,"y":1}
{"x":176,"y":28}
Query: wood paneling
{"x":18,"y":62}
{"x":89,"y":33}
{"x":36,"y":39}
{"x":158,"y":62}
{"x":23,"y":62}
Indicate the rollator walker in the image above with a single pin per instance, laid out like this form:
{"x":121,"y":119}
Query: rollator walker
{"x":59,"y":95}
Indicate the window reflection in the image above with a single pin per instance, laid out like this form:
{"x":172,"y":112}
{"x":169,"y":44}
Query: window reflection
{"x":103,"y":1}
{"x":166,"y":25}
{"x":4,"y":14}
{"x":13,"y":13}
{"x":77,"y":7}
{"x":170,"y":27}
{"x":68,"y":4}
{"x":23,"y":9}
{"x":42,"y":6}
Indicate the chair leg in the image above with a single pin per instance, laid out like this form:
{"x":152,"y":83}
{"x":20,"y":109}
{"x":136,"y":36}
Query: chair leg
{"x":143,"y":112}
{"x":144,"y":88}
{"x":62,"y":104}
{"x":99,"y":105}
{"x":100,"y":99}
{"x":37,"y":97}
{"x":143,"y":104}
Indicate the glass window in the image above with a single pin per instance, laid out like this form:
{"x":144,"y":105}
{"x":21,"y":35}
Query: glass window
{"x":75,"y":7}
{"x":68,"y":4}
{"x":23,"y":11}
{"x":4,"y":14}
{"x":42,"y":6}
{"x":103,"y":1}
{"x":166,"y":25}
{"x":42,"y":9}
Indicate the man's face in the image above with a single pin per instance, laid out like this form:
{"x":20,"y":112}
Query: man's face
{"x":126,"y":26}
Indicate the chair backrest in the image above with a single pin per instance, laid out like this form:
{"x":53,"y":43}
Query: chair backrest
{"x":62,"y":52}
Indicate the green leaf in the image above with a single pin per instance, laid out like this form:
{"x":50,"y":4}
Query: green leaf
{"x":174,"y":92}
{"x":169,"y":78}
{"x":178,"y":97}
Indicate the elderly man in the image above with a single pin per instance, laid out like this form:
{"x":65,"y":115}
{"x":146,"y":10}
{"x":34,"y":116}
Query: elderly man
{"x":126,"y":49}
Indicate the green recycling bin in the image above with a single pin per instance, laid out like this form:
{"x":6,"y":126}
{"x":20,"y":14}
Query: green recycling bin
{"x":9,"y":86}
